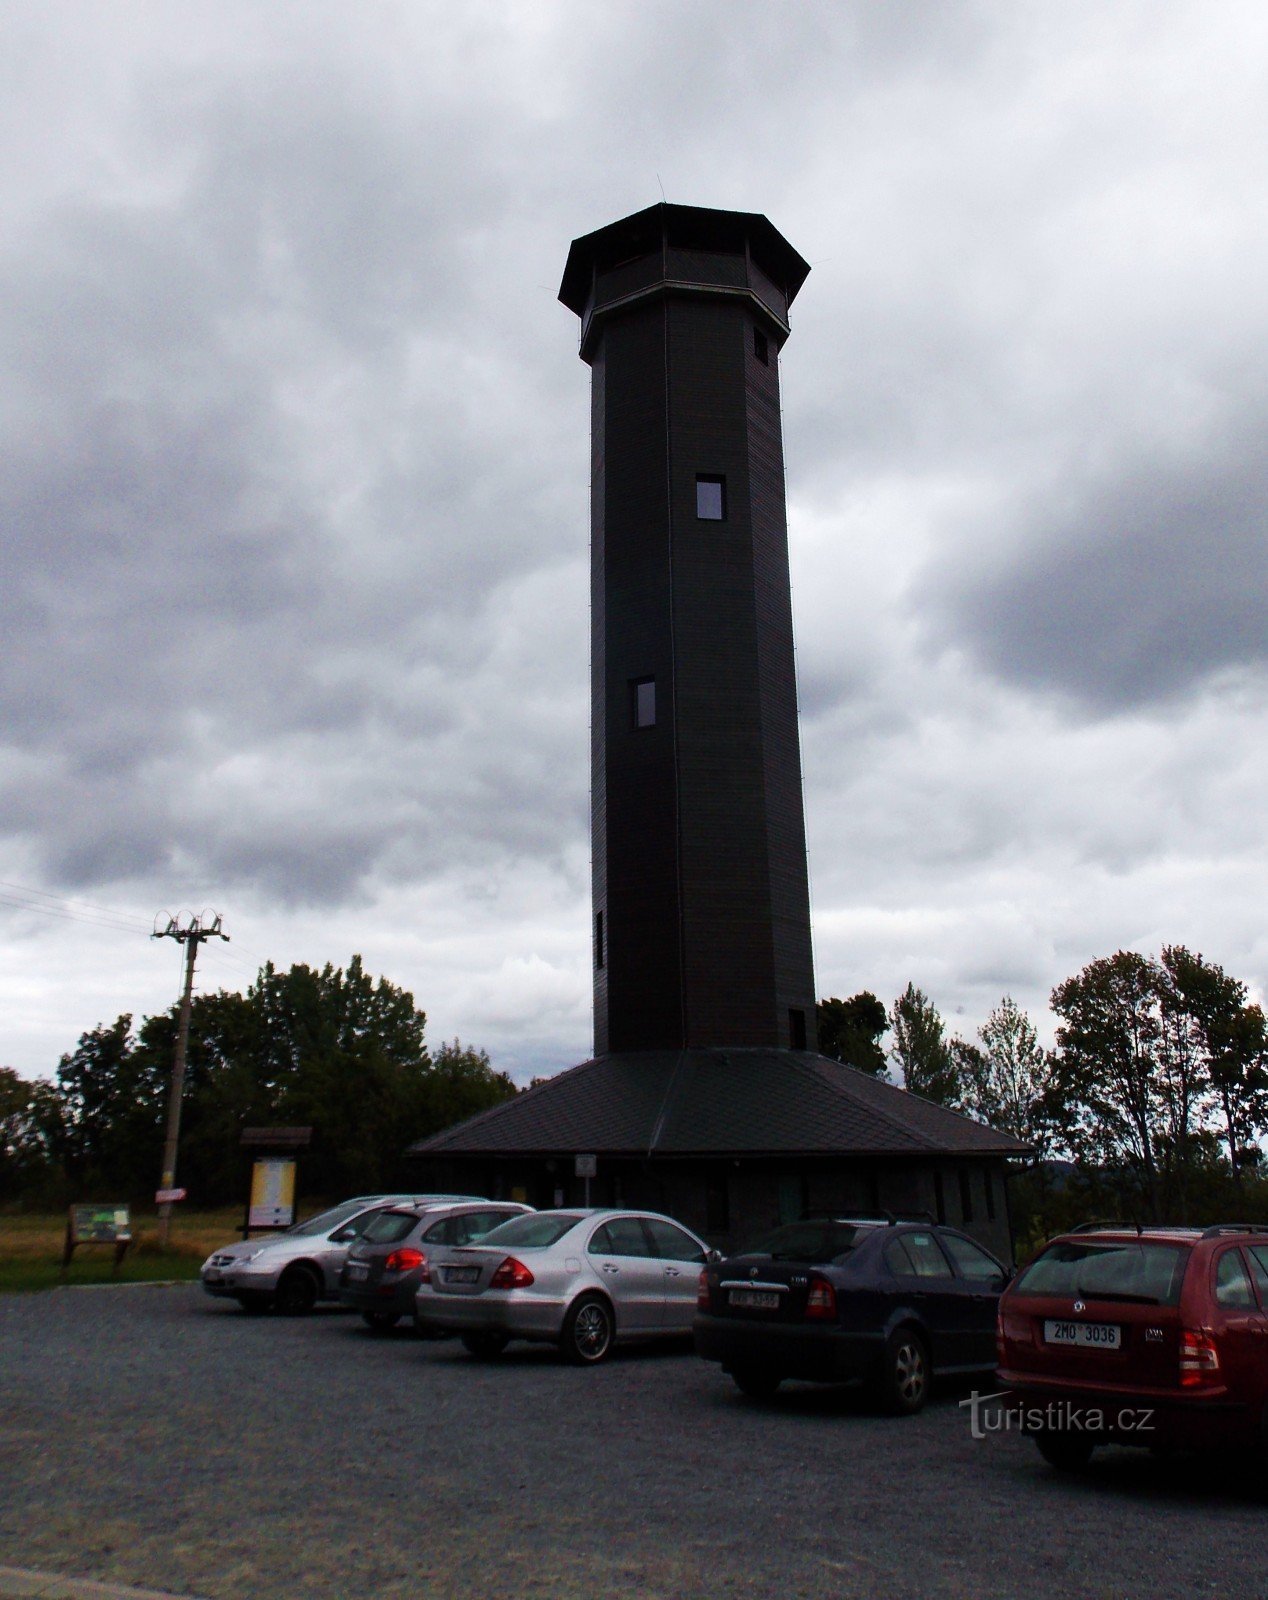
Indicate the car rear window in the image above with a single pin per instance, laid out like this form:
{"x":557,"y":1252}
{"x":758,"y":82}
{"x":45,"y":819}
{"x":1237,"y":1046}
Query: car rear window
{"x":807,"y":1241}
{"x":1149,"y":1272}
{"x":542,"y":1228}
{"x":390,"y":1226}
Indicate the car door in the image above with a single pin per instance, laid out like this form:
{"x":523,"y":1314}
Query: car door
{"x":981,"y":1280}
{"x":681,"y":1257}
{"x":925,"y":1281}
{"x":331,"y":1252}
{"x":621,"y":1256}
{"x":1240,"y":1328}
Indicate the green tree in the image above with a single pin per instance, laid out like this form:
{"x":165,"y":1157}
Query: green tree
{"x":850,"y":1031}
{"x":112,"y":1105}
{"x":1014,"y":1096}
{"x":25,"y":1161}
{"x":1103,"y":1088}
{"x":919,"y":1049}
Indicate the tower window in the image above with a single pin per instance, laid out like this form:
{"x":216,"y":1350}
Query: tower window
{"x":710,"y":499}
{"x":643,"y":702}
{"x":796,"y":1028}
{"x":761,"y":347}
{"x":598,"y":940}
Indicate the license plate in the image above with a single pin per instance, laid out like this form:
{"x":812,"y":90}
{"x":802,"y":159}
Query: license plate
{"x":462,"y":1274}
{"x":755,"y":1299}
{"x":1088,"y":1335}
{"x":358,"y":1270}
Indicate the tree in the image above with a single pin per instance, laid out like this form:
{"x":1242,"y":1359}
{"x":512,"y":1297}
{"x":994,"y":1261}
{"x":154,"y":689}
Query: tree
{"x":24,"y":1153}
{"x":1014,"y":1097}
{"x":1227,"y":1038}
{"x":850,"y":1031}
{"x":919,"y":1049}
{"x":1109,"y":1048}
{"x":112,"y":1107}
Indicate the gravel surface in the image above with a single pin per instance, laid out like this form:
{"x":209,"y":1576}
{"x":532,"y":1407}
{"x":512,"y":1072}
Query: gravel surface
{"x":155,"y":1437}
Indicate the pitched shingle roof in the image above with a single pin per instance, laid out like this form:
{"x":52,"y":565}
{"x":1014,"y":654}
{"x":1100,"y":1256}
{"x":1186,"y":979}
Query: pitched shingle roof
{"x":718,"y":1102}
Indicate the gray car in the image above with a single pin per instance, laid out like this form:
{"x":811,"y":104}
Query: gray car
{"x":384,"y":1266}
{"x":582,"y":1279}
{"x":289,"y":1272}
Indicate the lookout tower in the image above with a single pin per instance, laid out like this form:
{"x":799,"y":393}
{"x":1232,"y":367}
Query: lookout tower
{"x":700,"y":899}
{"x":706,"y":1097}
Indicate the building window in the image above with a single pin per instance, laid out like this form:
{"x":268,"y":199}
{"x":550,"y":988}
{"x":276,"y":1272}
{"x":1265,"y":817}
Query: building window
{"x":643,"y":702}
{"x":710,"y":499}
{"x":598,"y":940}
{"x":966,"y":1195}
{"x":989,"y":1180}
{"x":796,"y":1028}
{"x":761,"y":347}
{"x":939,"y":1198}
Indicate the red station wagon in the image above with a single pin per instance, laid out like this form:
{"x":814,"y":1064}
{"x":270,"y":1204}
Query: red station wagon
{"x":1155,"y":1337}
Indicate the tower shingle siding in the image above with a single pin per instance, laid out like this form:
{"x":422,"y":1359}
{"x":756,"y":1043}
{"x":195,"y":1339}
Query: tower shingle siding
{"x":698,"y":835}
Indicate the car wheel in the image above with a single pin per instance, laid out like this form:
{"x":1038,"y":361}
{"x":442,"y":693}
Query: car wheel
{"x":296,"y":1293}
{"x":905,"y":1380}
{"x":588,"y":1331}
{"x":255,"y":1305}
{"x":756,"y":1382}
{"x":484,"y":1346}
{"x":1067,"y":1452}
{"x":380,"y":1321}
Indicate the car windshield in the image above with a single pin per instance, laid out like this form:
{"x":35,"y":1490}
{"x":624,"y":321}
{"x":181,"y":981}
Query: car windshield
{"x":390,"y":1226}
{"x":328,"y":1221}
{"x":807,"y":1241}
{"x":540,"y":1229}
{"x":1149,"y":1272}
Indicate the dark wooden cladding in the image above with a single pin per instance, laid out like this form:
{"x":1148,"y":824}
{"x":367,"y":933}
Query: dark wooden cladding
{"x":699,"y":866}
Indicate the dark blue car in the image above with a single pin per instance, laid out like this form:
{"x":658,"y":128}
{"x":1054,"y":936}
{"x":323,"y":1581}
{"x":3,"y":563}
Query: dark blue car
{"x":846,"y":1300}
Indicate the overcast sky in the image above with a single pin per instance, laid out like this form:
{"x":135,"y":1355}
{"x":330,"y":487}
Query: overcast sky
{"x":294,"y":494}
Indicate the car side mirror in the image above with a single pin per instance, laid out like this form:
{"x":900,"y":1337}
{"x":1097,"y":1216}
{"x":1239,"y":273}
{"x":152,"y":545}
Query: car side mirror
{"x":343,"y":1235}
{"x":712,"y":1256}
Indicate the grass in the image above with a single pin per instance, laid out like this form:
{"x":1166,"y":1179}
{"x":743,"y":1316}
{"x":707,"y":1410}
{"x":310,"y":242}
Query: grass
{"x":31,"y":1249}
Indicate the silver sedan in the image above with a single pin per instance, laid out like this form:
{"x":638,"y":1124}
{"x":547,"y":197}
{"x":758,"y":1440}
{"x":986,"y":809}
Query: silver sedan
{"x":584,"y":1280}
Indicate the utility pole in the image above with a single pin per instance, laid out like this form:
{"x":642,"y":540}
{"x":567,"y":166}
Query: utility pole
{"x":191,"y":934}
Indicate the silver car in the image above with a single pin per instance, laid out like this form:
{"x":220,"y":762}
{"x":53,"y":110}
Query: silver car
{"x":289,"y":1272}
{"x":581,"y":1279}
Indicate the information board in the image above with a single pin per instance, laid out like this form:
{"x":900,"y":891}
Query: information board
{"x":100,"y":1225}
{"x":272,"y":1193}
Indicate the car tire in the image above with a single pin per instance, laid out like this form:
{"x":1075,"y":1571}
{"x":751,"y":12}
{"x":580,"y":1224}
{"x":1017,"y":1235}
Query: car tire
{"x":255,"y":1305}
{"x":380,"y":1321}
{"x":756,"y":1382}
{"x":296,"y":1293}
{"x":484,"y":1346}
{"x":1067,"y":1452}
{"x":907,"y":1372}
{"x":588,"y":1332}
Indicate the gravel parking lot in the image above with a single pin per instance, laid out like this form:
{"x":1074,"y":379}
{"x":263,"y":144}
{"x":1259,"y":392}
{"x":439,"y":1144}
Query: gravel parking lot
{"x":152,"y":1436}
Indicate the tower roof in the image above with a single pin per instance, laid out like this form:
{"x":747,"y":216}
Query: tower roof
{"x":683,"y":227}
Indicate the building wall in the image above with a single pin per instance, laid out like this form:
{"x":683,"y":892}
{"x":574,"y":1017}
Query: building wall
{"x":699,"y":871}
{"x":731,"y":1202}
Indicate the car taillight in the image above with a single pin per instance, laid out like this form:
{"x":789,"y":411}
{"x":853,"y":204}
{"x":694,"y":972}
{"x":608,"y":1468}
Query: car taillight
{"x":1199,"y":1359}
{"x":702,"y":1292}
{"x":404,"y":1260}
{"x":512,"y":1274}
{"x":821,"y":1302}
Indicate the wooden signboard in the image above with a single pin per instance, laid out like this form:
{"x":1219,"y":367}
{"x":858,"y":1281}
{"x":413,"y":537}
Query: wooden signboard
{"x":109,"y":1224}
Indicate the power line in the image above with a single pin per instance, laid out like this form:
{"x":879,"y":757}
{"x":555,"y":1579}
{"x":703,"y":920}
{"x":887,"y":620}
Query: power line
{"x":72,"y":905}
{"x":68,"y":915}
